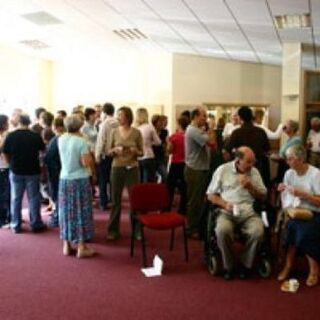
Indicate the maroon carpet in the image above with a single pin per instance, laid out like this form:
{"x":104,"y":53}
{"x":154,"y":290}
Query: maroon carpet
{"x":38,"y":282}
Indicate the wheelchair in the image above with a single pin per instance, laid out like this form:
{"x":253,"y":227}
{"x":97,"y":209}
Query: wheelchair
{"x":212,"y":253}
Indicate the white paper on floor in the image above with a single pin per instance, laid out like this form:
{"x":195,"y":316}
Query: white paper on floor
{"x":156,"y":270}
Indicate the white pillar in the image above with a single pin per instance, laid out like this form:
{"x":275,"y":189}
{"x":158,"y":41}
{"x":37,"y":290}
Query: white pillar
{"x":291,"y":82}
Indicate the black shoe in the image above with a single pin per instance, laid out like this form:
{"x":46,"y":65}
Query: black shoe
{"x":138,"y":236}
{"x":16,"y":230}
{"x":53,"y":221}
{"x":228,"y":275}
{"x":39,"y":229}
{"x":193,"y":236}
{"x":244,"y":272}
{"x":113,"y":235}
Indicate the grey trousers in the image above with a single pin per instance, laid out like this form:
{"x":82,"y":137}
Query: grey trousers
{"x":250,"y":226}
{"x":120,"y":177}
{"x":197,"y":183}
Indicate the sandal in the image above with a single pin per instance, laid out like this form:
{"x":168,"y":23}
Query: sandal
{"x":312,"y":279}
{"x":85,"y":253}
{"x":284,"y":274}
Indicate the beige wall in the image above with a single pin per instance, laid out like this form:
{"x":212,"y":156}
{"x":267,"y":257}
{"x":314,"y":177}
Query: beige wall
{"x":24,"y":81}
{"x":198,"y":80}
{"x":127,"y":77}
{"x":158,"y":81}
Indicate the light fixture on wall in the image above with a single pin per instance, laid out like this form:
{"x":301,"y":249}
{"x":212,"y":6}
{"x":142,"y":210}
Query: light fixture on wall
{"x":293,"y":21}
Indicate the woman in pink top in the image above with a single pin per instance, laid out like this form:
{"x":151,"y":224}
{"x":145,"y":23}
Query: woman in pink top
{"x":176,"y":170}
{"x":150,"y":138}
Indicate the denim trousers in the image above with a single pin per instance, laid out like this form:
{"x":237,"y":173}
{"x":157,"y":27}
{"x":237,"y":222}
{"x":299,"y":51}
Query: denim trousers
{"x":4,"y":196}
{"x":20,"y":184}
{"x":147,"y":170}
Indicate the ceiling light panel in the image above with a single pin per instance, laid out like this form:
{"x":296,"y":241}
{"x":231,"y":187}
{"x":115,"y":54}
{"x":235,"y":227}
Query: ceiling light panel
{"x":41,"y":18}
{"x":295,"y":21}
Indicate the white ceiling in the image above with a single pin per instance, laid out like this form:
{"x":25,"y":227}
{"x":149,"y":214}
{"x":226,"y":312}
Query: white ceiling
{"x":229,"y":29}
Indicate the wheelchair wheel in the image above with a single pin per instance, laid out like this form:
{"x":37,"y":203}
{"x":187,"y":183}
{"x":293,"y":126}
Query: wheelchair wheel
{"x":264,"y":268}
{"x":213,"y":266}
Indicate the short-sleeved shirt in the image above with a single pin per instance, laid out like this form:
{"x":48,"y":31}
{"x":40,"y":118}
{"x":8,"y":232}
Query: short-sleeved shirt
{"x":23,"y":146}
{"x":225,"y":182}
{"x":309,"y":182}
{"x":71,"y":148}
{"x":177,"y":142}
{"x":196,"y":151}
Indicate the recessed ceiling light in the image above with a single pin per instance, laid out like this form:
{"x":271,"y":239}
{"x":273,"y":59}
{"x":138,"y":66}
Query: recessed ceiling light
{"x":41,"y":18}
{"x":293,"y":21}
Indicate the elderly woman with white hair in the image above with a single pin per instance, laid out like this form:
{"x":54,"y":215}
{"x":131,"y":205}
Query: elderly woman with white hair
{"x":290,"y":128}
{"x":75,"y":199}
{"x":302,"y":187}
{"x":313,"y":142}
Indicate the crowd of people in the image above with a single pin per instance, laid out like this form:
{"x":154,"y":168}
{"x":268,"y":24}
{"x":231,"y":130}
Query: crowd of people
{"x":68,"y":161}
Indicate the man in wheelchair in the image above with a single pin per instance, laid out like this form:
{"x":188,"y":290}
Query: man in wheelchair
{"x":234,"y":188}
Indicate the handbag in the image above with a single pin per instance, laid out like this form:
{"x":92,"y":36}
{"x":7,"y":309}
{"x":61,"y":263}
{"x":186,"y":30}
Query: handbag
{"x":300,"y":213}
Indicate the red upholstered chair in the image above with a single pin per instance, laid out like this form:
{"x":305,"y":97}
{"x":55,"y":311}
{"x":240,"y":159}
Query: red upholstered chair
{"x":149,"y":202}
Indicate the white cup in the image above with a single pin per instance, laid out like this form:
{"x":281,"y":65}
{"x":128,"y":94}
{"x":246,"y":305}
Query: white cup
{"x":293,"y":285}
{"x":119,"y":149}
{"x":236,"y":210}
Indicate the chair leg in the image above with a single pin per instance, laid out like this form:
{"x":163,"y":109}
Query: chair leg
{"x":143,"y":246}
{"x":133,"y":224}
{"x":172,"y":239}
{"x":185,"y":241}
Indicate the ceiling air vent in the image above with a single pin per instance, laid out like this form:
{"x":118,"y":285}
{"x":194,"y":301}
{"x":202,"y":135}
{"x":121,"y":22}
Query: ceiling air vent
{"x":35,"y":44}
{"x":41,"y":18}
{"x":130,"y":34}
